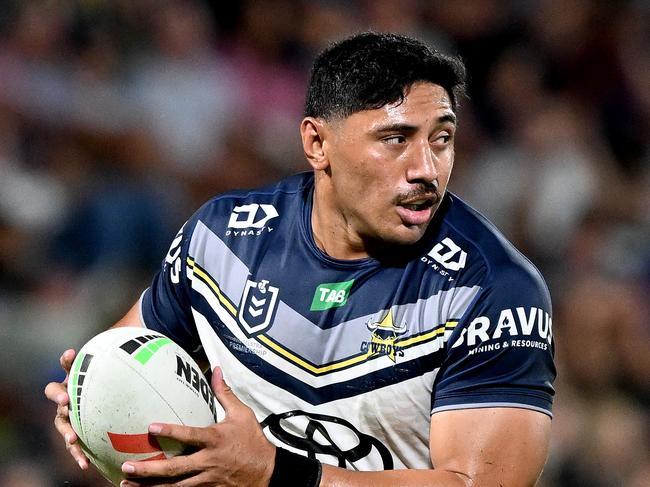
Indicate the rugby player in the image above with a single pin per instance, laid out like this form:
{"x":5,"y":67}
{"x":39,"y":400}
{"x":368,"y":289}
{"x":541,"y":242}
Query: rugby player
{"x":373,"y":329}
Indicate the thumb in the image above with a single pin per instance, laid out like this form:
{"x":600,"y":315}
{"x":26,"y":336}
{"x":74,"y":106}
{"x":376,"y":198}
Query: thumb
{"x":223,"y":392}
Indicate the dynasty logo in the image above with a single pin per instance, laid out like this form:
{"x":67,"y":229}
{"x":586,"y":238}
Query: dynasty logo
{"x":251,"y":220}
{"x":383,"y":338}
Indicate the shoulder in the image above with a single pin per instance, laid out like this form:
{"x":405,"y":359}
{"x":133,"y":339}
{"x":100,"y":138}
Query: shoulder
{"x":501,"y":347}
{"x":250,"y":209}
{"x":491,"y":260}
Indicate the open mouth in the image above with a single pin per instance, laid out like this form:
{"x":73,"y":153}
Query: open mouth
{"x":416,"y":211}
{"x":418,"y":205}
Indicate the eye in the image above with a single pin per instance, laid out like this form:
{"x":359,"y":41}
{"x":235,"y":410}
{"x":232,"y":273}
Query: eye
{"x":444,"y":138}
{"x":394,"y":139}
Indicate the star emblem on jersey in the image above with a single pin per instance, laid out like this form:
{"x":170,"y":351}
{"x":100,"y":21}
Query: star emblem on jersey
{"x":258,"y":304}
{"x":384,"y":335}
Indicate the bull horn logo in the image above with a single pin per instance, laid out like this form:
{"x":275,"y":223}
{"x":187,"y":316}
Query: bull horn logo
{"x":386,"y":324}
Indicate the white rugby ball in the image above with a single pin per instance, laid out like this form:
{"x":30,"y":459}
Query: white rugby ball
{"x":126,"y":378}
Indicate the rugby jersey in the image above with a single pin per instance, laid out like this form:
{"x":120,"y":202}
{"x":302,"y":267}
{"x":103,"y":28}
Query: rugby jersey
{"x":346,"y":360}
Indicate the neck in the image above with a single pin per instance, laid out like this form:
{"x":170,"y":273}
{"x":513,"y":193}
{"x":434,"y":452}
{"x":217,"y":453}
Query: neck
{"x":333,"y":232}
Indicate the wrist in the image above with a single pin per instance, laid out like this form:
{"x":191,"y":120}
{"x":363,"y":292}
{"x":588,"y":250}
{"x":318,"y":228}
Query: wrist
{"x":295,"y":469}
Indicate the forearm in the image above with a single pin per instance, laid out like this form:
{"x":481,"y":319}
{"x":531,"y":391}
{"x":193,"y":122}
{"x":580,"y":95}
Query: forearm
{"x":339,"y":477}
{"x":131,"y":318}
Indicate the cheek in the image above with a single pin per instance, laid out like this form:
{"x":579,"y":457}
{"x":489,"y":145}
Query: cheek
{"x":364,"y":171}
{"x":363,"y":175}
{"x":445,"y":169}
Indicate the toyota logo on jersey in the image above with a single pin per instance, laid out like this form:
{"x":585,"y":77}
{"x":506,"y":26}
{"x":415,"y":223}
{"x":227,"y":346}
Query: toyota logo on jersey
{"x":326,"y":436}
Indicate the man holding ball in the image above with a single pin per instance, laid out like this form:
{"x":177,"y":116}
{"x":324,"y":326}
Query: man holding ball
{"x":365,"y":327}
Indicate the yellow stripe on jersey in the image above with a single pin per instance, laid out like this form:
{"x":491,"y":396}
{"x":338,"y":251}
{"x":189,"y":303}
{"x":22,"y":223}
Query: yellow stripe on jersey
{"x":213,"y":285}
{"x":318,"y":370}
{"x":299,"y":361}
{"x":450,"y":325}
{"x":323,"y":369}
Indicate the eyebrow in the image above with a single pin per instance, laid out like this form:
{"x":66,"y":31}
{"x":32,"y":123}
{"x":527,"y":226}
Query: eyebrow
{"x":395,"y":127}
{"x":408,"y":128}
{"x":448,"y":117}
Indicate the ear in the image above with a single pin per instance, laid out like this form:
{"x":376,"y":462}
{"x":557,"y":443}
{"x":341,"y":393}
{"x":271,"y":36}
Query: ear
{"x":313,"y":132}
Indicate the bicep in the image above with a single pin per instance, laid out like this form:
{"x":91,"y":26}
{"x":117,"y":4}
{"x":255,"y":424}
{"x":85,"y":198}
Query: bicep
{"x":492,"y":446}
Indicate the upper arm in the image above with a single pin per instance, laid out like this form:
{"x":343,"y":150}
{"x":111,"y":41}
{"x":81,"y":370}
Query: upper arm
{"x":501,"y":352}
{"x":492,"y":398}
{"x":491,"y":446}
{"x":166,"y":305}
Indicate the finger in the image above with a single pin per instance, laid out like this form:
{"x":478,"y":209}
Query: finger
{"x":66,"y":359}
{"x":189,"y":481}
{"x":57,"y":392}
{"x":223,"y":392}
{"x":179,"y":466}
{"x":188,"y":435}
{"x":62,"y":425}
{"x":160,"y":482}
{"x":79,"y":456}
{"x":153,"y":482}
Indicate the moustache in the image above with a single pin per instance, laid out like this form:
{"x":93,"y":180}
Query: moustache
{"x":420,"y":191}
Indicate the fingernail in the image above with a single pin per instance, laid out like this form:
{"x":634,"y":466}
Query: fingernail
{"x":83,"y":464}
{"x":68,"y":437}
{"x":128,"y":468}
{"x":124,"y":483}
{"x":155,"y":428}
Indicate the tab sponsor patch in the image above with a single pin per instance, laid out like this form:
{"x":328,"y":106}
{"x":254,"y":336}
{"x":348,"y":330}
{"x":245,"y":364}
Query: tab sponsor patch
{"x":331,"y":295}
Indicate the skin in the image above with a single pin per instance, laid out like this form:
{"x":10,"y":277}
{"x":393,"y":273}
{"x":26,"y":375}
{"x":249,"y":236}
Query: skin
{"x":368,"y":165}
{"x":369,"y":168}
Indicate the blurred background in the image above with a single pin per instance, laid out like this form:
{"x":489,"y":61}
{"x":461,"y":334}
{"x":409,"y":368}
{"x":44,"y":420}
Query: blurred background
{"x":119,"y":117}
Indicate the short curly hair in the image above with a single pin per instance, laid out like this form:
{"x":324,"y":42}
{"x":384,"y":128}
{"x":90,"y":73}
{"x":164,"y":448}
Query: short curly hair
{"x":370,"y":70}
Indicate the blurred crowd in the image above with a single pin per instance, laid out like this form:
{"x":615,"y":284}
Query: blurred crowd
{"x":119,"y":117}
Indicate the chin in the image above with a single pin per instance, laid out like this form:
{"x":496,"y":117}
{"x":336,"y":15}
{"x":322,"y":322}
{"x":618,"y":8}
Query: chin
{"x":406,"y":235}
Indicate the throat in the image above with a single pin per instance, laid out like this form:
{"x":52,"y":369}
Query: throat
{"x":333,"y":234}
{"x":338,"y":246}
{"x":333,"y":228}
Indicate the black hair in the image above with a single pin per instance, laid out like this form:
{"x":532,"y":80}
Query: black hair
{"x":369,"y":70}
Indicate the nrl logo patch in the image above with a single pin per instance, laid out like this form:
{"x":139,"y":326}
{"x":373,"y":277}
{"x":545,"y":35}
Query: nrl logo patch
{"x":258,"y":303}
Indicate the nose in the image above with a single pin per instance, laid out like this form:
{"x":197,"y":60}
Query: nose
{"x":422,"y":164}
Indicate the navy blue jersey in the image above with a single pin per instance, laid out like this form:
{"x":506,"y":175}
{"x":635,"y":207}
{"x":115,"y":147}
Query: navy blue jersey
{"x":346,"y":360}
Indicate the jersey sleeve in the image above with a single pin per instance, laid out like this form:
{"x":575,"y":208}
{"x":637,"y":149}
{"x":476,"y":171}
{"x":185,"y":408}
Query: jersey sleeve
{"x":165,"y":306}
{"x":501,"y":354}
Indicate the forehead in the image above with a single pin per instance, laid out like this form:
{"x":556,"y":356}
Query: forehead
{"x":423,"y":104}
{"x":421,"y":97}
